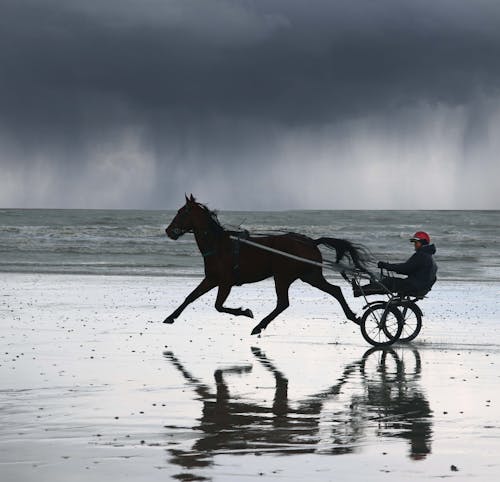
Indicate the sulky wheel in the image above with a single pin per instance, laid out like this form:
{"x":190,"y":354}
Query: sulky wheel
{"x":381,"y":324}
{"x":412,"y":320}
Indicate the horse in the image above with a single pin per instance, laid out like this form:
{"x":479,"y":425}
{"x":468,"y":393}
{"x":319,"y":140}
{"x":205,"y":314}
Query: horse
{"x":231,"y":263}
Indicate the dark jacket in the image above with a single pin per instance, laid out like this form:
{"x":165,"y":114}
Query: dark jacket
{"x":420,"y":268}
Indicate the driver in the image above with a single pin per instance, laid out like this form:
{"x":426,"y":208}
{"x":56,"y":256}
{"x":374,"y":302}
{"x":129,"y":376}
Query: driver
{"x":420,"y":269}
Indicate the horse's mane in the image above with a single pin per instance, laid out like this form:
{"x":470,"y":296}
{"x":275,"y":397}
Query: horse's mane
{"x":212,"y":214}
{"x":219,"y":228}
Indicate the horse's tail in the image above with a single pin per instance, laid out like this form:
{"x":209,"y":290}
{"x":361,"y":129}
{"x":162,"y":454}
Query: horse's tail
{"x":357,"y":252}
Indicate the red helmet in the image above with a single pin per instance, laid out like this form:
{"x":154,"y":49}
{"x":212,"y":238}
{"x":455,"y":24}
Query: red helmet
{"x":421,"y":236}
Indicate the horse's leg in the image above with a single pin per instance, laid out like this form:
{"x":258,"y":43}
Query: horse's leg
{"x":317,"y":280}
{"x":280,"y":404}
{"x":204,"y":287}
{"x":222,"y":295}
{"x":282,"y":304}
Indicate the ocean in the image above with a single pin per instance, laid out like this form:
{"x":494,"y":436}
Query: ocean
{"x":132,"y":242}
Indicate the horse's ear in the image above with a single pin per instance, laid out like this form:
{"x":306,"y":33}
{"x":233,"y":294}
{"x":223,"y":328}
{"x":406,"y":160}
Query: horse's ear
{"x":192,"y":199}
{"x":186,"y":196}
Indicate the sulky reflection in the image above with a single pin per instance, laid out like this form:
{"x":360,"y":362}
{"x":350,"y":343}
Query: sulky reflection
{"x":384,"y":399}
{"x":392,"y":397}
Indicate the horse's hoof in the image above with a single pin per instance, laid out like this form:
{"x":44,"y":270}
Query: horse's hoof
{"x":169,"y":320}
{"x":248,"y":313}
{"x":256,"y":330}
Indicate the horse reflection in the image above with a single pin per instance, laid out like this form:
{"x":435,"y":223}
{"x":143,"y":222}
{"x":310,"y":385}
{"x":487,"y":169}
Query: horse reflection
{"x":231,"y":424}
{"x":388,"y":398}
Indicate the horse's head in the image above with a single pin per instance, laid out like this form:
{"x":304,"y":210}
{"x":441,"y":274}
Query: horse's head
{"x":189,"y":217}
{"x":182,"y":222}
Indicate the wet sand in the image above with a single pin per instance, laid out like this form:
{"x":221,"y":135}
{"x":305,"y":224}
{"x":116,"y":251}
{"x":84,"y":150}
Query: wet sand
{"x":94,"y":387}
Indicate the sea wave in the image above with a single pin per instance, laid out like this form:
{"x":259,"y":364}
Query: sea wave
{"x":134,"y":242}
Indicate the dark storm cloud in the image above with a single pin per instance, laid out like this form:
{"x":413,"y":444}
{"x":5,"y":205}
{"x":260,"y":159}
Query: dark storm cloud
{"x":292,"y":62}
{"x":171,"y":89}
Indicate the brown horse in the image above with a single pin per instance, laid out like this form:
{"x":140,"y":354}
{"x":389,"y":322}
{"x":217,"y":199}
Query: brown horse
{"x":229,"y":262}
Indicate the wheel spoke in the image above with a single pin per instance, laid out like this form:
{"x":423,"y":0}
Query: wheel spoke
{"x":412,"y":321}
{"x":381,"y":325}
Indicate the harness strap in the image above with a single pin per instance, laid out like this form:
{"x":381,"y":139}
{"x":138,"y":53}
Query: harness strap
{"x":239,"y":237}
{"x":209,"y":252}
{"x":206,"y":254}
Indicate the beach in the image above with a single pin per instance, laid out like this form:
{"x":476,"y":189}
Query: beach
{"x":94,"y":386}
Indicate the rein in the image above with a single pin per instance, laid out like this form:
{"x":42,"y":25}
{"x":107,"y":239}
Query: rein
{"x":326,"y":264}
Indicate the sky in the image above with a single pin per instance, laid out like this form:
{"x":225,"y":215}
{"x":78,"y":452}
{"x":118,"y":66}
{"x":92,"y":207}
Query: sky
{"x":250,"y":104}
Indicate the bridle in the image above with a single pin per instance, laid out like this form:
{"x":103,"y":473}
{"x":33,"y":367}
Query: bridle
{"x":181,"y":216}
{"x":180,"y":219}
